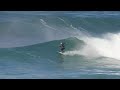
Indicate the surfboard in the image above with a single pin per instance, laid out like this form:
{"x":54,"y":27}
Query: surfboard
{"x":60,"y":52}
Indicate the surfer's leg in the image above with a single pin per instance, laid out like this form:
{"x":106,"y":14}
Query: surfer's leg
{"x":62,"y":50}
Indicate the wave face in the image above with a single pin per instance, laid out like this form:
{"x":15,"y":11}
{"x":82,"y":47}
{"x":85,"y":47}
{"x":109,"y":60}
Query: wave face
{"x":29,"y":44}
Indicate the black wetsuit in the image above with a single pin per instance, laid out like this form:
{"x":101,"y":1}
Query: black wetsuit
{"x":62,"y":47}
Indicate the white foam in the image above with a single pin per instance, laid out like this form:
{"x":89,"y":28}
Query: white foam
{"x":108,"y":46}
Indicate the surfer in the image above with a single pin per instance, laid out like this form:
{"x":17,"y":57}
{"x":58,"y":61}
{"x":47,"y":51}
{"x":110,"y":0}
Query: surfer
{"x":62,"y":47}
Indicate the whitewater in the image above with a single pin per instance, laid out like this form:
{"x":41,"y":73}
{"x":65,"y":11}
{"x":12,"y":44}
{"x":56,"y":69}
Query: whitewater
{"x":29,"y":44}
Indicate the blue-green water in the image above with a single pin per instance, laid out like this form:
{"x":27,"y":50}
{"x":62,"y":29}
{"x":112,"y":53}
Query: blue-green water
{"x":29,"y":44}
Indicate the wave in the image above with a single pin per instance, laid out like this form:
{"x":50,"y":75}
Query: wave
{"x":47,"y":50}
{"x":89,"y":47}
{"x":20,"y":31}
{"x":29,"y":44}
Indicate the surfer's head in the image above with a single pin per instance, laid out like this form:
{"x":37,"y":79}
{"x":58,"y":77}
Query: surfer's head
{"x":61,"y":43}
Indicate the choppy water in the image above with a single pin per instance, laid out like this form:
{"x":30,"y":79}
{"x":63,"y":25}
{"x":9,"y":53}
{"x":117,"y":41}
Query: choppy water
{"x":29,"y":44}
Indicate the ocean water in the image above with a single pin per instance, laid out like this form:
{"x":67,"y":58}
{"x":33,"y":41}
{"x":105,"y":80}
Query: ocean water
{"x":29,"y":44}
